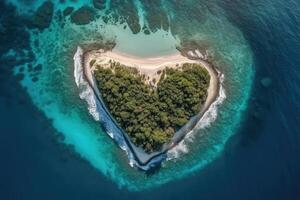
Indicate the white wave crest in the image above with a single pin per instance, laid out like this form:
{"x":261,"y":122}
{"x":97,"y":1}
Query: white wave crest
{"x":85,"y":91}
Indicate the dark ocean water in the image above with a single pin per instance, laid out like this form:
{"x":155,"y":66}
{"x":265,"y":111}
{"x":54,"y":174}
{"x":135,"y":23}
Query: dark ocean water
{"x":261,"y":161}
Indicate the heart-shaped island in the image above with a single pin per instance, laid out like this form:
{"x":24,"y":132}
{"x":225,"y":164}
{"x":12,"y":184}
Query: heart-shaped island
{"x":154,"y":102}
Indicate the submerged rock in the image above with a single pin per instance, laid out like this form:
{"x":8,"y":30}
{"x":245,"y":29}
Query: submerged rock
{"x":43,"y":16}
{"x":105,"y":19}
{"x":146,"y":30}
{"x":35,"y":79}
{"x":134,"y":25}
{"x":83,"y":15}
{"x":156,"y":18}
{"x":37,"y":68}
{"x":129,"y":14}
{"x":68,"y":10}
{"x":266,"y":81}
{"x":29,"y":67}
{"x":99,"y":4}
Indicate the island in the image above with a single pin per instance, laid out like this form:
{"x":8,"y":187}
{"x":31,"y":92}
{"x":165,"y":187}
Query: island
{"x":152,"y":102}
{"x":151,"y":109}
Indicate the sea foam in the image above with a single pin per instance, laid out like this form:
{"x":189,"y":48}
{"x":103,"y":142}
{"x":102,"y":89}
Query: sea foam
{"x":85,"y":91}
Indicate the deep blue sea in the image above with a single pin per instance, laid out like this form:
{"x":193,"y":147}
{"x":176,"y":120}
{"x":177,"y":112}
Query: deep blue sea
{"x":48,"y":148}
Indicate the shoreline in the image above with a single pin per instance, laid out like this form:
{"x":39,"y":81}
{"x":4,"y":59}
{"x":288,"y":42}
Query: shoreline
{"x":149,"y":65}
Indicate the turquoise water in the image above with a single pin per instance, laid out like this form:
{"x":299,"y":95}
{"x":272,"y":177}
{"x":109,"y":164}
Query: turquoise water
{"x":56,"y":94}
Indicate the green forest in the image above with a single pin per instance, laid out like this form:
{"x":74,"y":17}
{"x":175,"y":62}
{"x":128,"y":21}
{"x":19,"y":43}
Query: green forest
{"x":151,"y":115}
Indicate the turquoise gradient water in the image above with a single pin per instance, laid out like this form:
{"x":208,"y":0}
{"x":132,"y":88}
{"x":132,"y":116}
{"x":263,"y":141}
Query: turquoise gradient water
{"x":56,"y":94}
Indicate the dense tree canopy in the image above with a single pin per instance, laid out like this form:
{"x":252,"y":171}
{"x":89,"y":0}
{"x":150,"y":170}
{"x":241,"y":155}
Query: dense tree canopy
{"x":151,"y":115}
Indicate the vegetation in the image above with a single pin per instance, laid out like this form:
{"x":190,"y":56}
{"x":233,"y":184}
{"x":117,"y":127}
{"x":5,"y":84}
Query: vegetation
{"x":151,"y":115}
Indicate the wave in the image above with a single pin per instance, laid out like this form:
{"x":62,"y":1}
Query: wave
{"x":205,"y":121}
{"x":85,"y":91}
